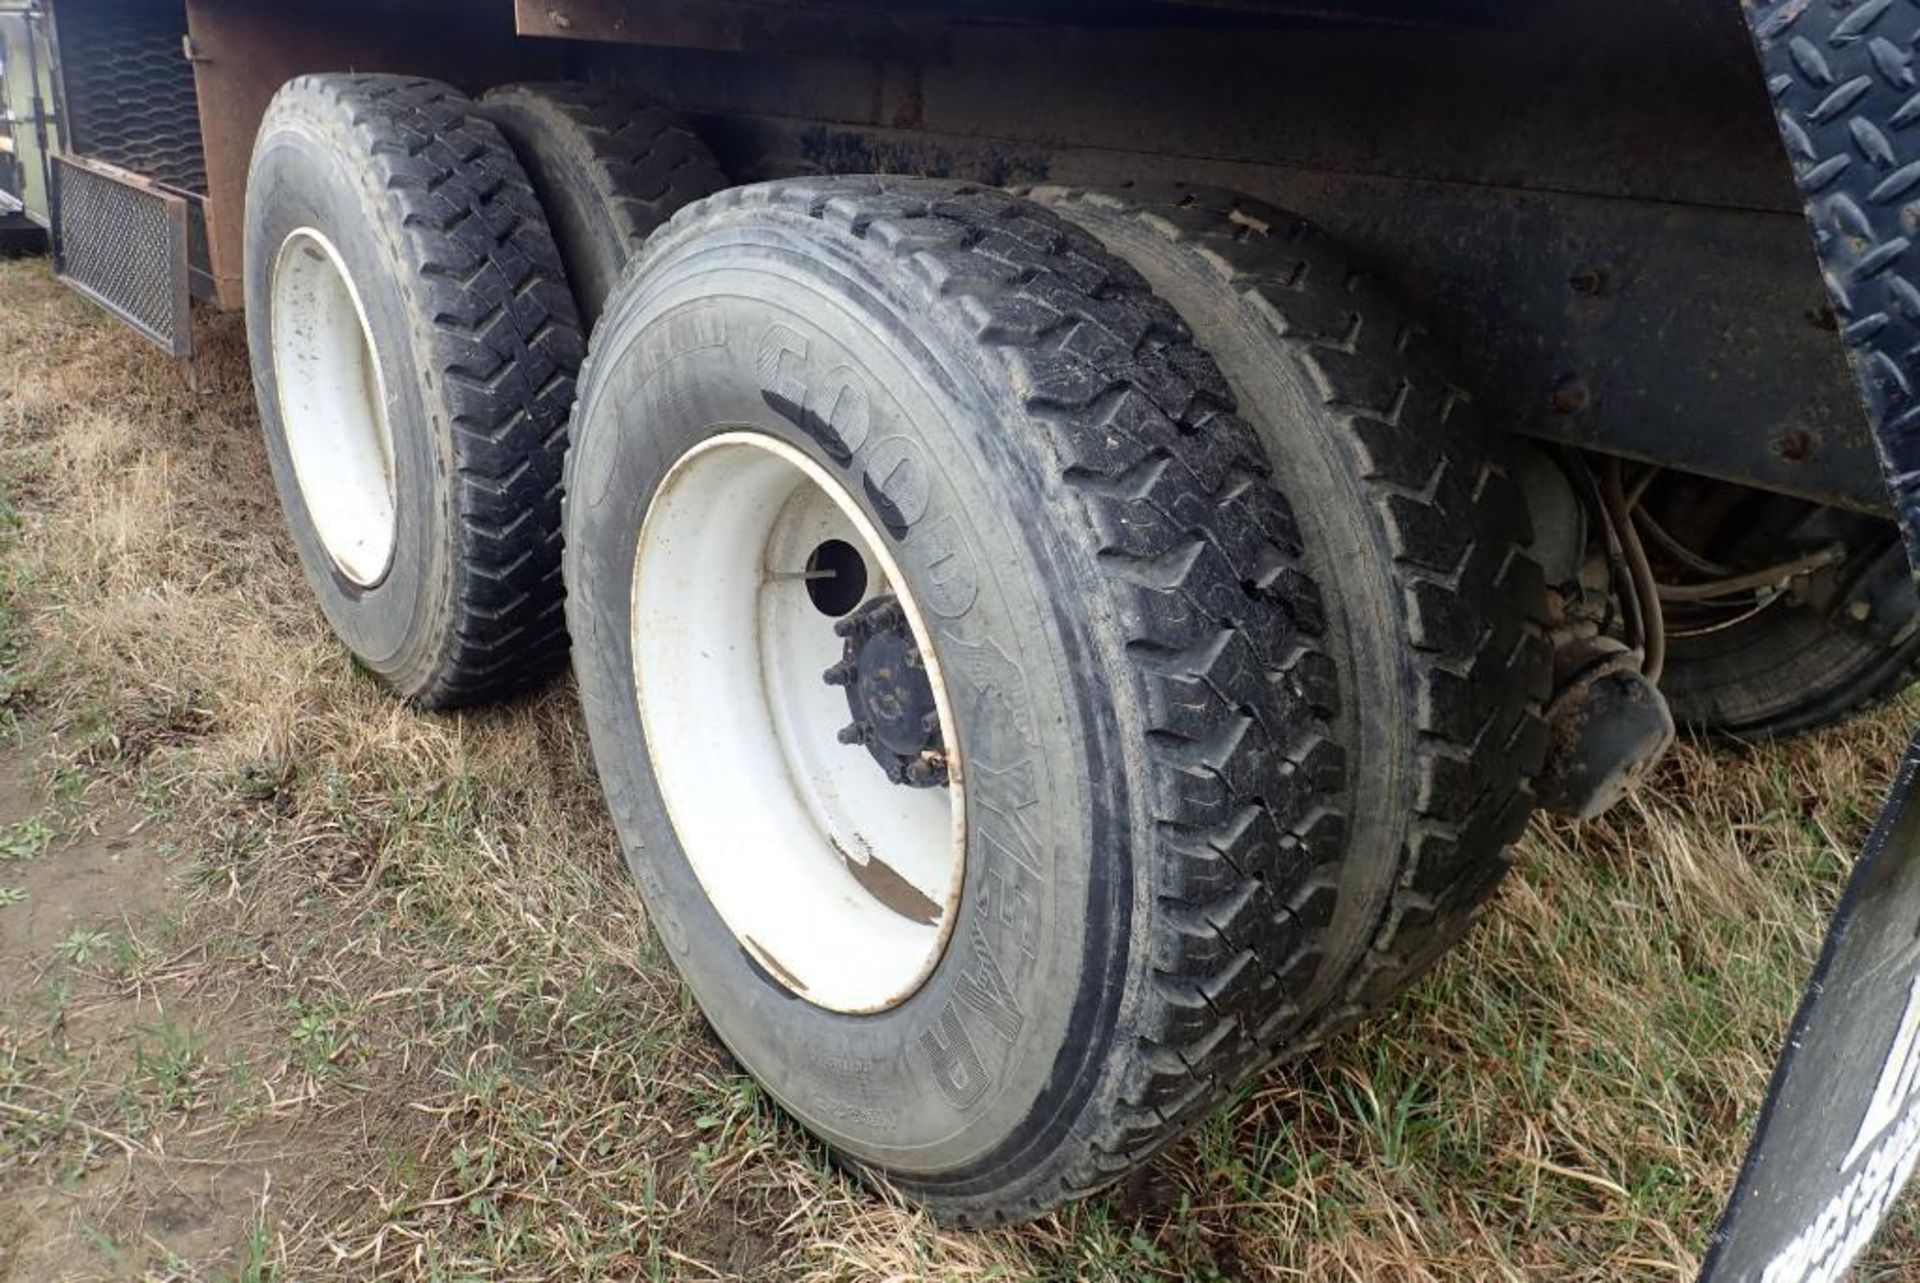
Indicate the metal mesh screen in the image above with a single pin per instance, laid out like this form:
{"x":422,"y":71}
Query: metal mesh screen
{"x":124,"y":244}
{"x":129,"y":88}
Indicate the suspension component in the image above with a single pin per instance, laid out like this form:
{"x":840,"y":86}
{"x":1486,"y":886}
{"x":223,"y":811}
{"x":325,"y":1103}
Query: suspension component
{"x":1607,"y":726}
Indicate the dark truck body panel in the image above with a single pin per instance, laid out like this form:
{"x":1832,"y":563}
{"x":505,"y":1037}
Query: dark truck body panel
{"x":1587,"y":197}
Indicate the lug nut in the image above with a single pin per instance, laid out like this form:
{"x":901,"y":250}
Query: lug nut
{"x":841,"y":674}
{"x":854,"y":733}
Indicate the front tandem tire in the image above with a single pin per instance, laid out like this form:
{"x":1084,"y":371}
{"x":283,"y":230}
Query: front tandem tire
{"x":413,"y":346}
{"x":1034,"y":461}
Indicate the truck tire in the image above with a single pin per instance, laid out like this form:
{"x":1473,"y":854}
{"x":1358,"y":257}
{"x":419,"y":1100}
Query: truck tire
{"x":1417,"y":536}
{"x":413,"y":347}
{"x":608,"y":165}
{"x":1803,"y":674}
{"x":1019,"y":468}
{"x":1804,"y":662}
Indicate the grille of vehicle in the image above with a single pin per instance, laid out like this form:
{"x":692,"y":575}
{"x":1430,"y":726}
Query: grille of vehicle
{"x":123,"y":243}
{"x":129,"y":88}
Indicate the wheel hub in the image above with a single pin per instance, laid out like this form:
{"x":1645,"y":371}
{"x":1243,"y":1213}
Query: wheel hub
{"x":888,"y":692}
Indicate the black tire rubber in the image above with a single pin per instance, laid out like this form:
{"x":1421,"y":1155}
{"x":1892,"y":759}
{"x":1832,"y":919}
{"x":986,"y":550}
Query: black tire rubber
{"x":609,"y":166}
{"x":477,"y":340}
{"x":1805,"y":675}
{"x":1152,"y":793}
{"x":22,"y":241}
{"x":1416,"y":533}
{"x":1795,"y":667}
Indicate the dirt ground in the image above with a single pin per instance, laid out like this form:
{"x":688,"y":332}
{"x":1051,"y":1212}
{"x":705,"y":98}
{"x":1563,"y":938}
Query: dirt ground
{"x":298,"y":983}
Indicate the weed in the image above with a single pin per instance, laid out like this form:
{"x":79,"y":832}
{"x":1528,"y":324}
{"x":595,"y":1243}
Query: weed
{"x":255,"y":1265}
{"x":82,"y":943}
{"x":320,"y":1035}
{"x":167,"y":1067}
{"x":24,"y":840}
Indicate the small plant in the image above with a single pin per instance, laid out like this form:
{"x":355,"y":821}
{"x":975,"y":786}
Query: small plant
{"x":254,"y":1265}
{"x":168,"y":1060}
{"x":130,"y":953}
{"x":732,"y":1114}
{"x":12,"y":895}
{"x":24,"y":841}
{"x":68,"y":784}
{"x":82,"y":943}
{"x":321,"y":1034}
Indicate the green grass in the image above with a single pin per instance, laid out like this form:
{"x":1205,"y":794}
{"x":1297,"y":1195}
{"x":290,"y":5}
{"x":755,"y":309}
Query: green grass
{"x":24,"y":840}
{"x":408,"y":985}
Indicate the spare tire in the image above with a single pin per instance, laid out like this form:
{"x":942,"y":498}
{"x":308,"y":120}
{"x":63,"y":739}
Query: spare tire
{"x":413,"y":347}
{"x":913,"y":549}
{"x":608,"y":165}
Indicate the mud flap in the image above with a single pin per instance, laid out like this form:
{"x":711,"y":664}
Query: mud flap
{"x":1839,"y":1132}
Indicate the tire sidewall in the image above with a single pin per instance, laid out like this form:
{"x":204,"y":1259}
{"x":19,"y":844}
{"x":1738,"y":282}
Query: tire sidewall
{"x":767,"y":329}
{"x":306,"y":175}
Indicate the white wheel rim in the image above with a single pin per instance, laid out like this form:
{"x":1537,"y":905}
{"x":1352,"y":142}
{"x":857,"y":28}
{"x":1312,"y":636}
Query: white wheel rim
{"x":333,"y":405}
{"x":840,"y":883}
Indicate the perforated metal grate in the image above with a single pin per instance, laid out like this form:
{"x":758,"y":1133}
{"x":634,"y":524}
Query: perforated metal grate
{"x":129,"y":88}
{"x":123,"y":243}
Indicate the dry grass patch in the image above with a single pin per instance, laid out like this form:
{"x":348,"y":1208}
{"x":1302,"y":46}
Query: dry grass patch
{"x":398,"y":1014}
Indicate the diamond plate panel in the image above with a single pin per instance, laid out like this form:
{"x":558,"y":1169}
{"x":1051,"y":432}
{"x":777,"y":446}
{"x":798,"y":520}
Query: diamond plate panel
{"x":123,"y":243}
{"x":1838,"y":1135}
{"x":1847,"y":92}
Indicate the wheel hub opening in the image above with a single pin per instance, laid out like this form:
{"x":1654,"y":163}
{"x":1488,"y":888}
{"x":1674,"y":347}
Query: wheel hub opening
{"x":836,"y":577}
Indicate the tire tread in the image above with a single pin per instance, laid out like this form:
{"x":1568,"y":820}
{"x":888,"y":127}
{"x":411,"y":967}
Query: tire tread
{"x":1470,"y":599}
{"x":483,"y":276}
{"x":642,"y":161}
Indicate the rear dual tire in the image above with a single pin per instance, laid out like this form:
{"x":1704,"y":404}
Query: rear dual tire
{"x":1161,"y":887}
{"x":1111,"y":590}
{"x":609,"y":166}
{"x":1417,"y":533}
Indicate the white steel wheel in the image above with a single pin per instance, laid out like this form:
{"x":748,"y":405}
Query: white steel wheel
{"x":840,"y":881}
{"x":333,"y":405}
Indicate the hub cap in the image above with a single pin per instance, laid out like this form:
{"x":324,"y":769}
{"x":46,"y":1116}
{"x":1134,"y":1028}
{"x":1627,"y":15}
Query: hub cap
{"x":889,"y":694}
